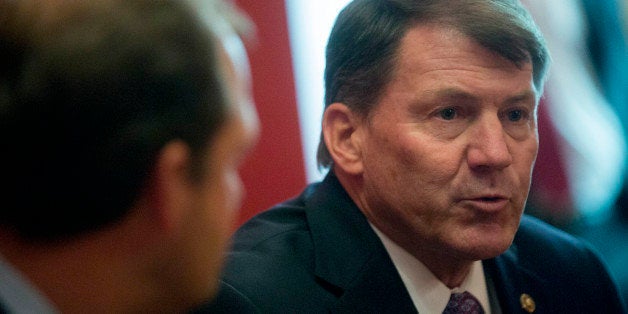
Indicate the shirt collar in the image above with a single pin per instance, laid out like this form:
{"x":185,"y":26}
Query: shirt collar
{"x":429,"y":294}
{"x":18,"y":295}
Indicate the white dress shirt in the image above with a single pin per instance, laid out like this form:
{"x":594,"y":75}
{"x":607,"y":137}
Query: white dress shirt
{"x":429,"y":294}
{"x":18,"y":295}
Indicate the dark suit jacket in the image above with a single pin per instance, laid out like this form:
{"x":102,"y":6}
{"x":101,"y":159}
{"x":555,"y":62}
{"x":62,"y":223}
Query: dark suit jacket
{"x":318,"y":254}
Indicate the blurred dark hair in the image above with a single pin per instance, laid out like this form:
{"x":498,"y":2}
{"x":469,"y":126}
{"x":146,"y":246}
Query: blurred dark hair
{"x":90,"y":92}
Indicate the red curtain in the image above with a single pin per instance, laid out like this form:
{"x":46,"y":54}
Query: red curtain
{"x":275,"y":170}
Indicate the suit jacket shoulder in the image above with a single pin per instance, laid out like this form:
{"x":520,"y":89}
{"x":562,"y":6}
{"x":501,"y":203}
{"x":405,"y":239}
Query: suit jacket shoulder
{"x":228,"y":300}
{"x":315,"y":253}
{"x":558,"y":271}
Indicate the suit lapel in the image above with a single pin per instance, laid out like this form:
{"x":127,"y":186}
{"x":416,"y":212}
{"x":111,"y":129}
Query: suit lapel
{"x":349,"y":256}
{"x":379,"y":289}
{"x":512,"y":281}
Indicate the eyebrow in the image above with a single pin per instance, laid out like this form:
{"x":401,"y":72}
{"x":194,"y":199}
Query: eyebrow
{"x":453,"y":93}
{"x":458,"y":94}
{"x":523,"y":97}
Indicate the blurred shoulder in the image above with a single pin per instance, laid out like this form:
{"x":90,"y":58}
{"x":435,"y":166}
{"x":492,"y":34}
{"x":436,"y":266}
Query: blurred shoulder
{"x":545,"y":239}
{"x":228,"y":300}
{"x":269,"y":227}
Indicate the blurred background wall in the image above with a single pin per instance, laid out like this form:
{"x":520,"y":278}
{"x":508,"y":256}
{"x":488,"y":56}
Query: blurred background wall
{"x":275,"y":170}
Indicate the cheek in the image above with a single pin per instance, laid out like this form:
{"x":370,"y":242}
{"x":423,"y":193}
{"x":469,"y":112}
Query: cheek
{"x":525,"y":159}
{"x":219,"y":201}
{"x":209,"y":228}
{"x":435,"y":164}
{"x":226,"y":197}
{"x":234,"y":190}
{"x":408,"y":169}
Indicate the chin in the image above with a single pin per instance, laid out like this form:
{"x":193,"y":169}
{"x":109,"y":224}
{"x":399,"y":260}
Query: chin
{"x":492,"y":251}
{"x":488,"y":245}
{"x":200,"y":296}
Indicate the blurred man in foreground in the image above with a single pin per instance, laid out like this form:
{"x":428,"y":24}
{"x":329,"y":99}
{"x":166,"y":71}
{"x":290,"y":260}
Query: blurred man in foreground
{"x":123,"y":123}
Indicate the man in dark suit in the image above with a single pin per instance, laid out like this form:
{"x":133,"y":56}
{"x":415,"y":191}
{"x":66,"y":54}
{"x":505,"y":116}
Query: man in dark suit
{"x":430,"y":134}
{"x":122,"y":123}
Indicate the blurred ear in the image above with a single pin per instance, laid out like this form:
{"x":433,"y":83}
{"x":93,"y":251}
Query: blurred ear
{"x":343,"y":137}
{"x":170,"y":186}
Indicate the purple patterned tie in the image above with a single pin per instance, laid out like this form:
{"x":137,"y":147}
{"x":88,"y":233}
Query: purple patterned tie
{"x":463,"y":303}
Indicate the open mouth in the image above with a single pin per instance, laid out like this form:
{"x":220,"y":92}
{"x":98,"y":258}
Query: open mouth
{"x":490,"y":199}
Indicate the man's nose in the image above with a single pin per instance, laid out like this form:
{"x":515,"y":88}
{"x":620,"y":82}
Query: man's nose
{"x":488,"y":146}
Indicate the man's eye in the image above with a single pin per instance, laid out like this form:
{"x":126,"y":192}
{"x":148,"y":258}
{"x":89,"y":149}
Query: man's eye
{"x":515,"y":115}
{"x":448,"y":113}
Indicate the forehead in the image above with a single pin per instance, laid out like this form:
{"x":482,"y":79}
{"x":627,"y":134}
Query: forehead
{"x":432,"y":42}
{"x":439,"y":53}
{"x":236,"y":77}
{"x":234,"y":68}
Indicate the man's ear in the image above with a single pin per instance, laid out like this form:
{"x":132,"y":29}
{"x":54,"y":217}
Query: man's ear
{"x":343,"y":137}
{"x":170,"y":187}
